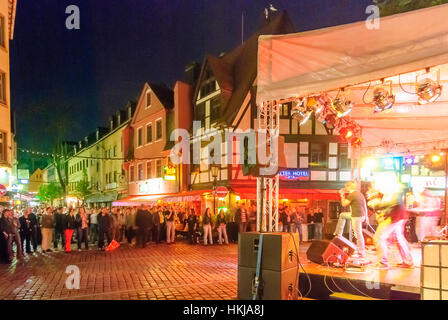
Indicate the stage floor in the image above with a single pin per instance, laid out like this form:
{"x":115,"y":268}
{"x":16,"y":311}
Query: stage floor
{"x":400,"y":279}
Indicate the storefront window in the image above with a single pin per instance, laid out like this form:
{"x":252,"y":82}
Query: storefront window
{"x":140,"y":172}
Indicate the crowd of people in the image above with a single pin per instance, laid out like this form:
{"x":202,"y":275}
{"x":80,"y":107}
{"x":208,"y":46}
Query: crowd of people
{"x":43,"y":230}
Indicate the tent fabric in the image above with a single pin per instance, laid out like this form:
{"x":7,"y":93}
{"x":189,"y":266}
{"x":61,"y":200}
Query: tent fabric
{"x":324,"y":60}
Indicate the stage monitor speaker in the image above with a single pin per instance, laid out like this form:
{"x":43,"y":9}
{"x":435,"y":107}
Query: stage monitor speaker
{"x":324,"y":251}
{"x":345,"y":245}
{"x":274,"y":285}
{"x":279,"y":250}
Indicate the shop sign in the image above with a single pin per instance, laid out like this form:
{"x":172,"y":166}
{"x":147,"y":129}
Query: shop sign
{"x":221,"y":192}
{"x":428,"y":182}
{"x":169,"y":173}
{"x":294,"y":174}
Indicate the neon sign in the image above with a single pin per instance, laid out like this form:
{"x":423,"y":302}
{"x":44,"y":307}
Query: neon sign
{"x":169,"y":173}
{"x":294,"y":174}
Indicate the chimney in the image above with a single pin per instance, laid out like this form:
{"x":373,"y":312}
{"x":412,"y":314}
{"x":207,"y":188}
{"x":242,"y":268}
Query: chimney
{"x":192,"y":71}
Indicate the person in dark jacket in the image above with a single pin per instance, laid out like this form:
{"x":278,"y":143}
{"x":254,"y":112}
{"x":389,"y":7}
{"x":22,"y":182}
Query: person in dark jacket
{"x":157,"y":218}
{"x":6,"y":237}
{"x":192,"y":223}
{"x":142,"y":223}
{"x":58,"y":228}
{"x":150,"y":225}
{"x":82,"y":228}
{"x":104,"y":227}
{"x":69,"y":229}
{"x":35,"y":230}
{"x":26,"y":230}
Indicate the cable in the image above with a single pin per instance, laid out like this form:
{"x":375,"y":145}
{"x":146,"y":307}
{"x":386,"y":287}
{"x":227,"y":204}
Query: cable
{"x":306,"y":273}
{"x":364,"y":95}
{"x":399,"y":82}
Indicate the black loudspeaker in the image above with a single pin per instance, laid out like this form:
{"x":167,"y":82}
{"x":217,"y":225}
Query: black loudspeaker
{"x":324,"y":251}
{"x":345,"y":245}
{"x":279,"y":270}
{"x":278,"y":250}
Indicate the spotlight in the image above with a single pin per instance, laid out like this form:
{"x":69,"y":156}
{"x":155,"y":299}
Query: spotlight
{"x":330,"y":121}
{"x":435,"y":158}
{"x":409,"y":160}
{"x":342,"y":107}
{"x":301,"y":113}
{"x":428,"y":91}
{"x":382,"y":99}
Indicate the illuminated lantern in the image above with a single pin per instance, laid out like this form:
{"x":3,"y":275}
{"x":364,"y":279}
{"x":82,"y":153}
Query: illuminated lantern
{"x":341,"y":106}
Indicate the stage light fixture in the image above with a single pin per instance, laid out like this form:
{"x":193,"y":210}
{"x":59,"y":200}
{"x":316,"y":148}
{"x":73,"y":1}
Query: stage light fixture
{"x":382,"y":99}
{"x":428,"y":91}
{"x":341,"y":106}
{"x":300,"y":112}
{"x":435,"y":158}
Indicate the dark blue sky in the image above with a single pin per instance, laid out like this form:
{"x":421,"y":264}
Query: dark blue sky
{"x":89,"y":73}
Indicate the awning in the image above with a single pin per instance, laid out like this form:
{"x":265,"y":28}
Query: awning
{"x":352,"y":55}
{"x":102,"y":197}
{"x":187,"y":196}
{"x":138,"y":200}
{"x":293,"y":194}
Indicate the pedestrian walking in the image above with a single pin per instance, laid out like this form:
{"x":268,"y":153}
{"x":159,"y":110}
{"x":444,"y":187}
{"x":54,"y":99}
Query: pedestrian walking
{"x":170,"y":216}
{"x":104,"y":226}
{"x":69,"y":229}
{"x":59,"y":233}
{"x":192,"y":223}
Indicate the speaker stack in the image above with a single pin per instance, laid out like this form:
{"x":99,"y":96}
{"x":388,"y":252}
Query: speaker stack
{"x":329,"y":252}
{"x":279,"y":271}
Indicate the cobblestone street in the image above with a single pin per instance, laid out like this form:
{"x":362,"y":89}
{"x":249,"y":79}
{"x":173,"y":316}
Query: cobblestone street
{"x":158,"y":272}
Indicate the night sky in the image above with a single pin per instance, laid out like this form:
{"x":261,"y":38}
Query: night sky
{"x":77,"y":78}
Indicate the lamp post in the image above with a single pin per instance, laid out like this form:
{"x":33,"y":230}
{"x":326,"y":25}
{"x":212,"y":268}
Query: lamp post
{"x":215,"y":171}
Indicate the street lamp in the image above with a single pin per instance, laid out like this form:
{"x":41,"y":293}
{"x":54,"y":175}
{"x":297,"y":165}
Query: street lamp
{"x":215,"y":171}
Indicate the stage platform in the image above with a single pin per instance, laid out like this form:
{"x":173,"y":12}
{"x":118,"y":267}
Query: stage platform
{"x":393,"y":283}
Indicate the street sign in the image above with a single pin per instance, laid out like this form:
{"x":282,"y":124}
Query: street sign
{"x":221,"y":192}
{"x":2,"y":190}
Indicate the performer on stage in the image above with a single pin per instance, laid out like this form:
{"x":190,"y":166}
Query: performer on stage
{"x":357,"y":215}
{"x":428,"y":214}
{"x":392,"y":218}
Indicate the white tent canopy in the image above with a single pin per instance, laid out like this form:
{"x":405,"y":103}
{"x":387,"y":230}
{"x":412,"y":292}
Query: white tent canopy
{"x":324,"y":60}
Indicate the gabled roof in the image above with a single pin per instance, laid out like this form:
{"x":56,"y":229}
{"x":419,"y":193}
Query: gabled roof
{"x":236,"y":71}
{"x":164,"y":94}
{"x":12,"y":6}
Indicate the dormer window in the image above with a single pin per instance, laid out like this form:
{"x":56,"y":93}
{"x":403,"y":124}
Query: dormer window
{"x":111,"y":124}
{"x":148,"y":99}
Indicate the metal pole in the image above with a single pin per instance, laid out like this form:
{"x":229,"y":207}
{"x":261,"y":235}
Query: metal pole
{"x":446,"y":187}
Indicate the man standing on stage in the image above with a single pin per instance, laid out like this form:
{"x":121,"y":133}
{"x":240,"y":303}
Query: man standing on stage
{"x":357,"y":215}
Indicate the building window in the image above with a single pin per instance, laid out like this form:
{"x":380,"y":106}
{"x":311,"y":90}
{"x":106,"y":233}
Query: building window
{"x":148,"y":99}
{"x":131,"y":174}
{"x":215,"y":109}
{"x":149,"y":170}
{"x":318,"y":155}
{"x":149,"y":133}
{"x":140,"y":172}
{"x":159,"y":169}
{"x":3,"y":146}
{"x":139,"y":137}
{"x":200,"y":113}
{"x":284,"y":110}
{"x":209,"y":84}
{"x":115,"y":151}
{"x":344,"y":161}
{"x":115,"y":176}
{"x":159,"y":129}
{"x":2,"y":31}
